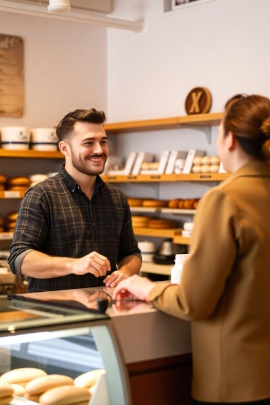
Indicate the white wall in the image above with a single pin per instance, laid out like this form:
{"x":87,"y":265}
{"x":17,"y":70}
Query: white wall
{"x":65,"y":67}
{"x":222,"y":45}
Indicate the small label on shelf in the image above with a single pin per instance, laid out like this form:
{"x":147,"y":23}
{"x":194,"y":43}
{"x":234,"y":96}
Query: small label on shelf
{"x":206,"y":176}
{"x":155,"y":177}
{"x":11,"y":194}
{"x":132,"y":177}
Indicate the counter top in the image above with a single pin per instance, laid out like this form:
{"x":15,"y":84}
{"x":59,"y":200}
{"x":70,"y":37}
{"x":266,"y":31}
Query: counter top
{"x":144,"y":333}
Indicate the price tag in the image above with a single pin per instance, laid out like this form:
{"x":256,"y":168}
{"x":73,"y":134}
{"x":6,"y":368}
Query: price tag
{"x":11,"y":194}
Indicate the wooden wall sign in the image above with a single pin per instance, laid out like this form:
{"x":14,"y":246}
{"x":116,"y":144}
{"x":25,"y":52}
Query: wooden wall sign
{"x":11,"y":76}
{"x":198,"y":101}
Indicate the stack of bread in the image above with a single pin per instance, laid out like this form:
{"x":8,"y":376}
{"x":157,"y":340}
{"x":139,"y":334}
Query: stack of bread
{"x":184,"y":203}
{"x":135,"y":202}
{"x":139,"y":221}
{"x":205,"y":164}
{"x":35,"y":385}
{"x":20,"y":183}
{"x":151,"y":203}
{"x":156,"y":223}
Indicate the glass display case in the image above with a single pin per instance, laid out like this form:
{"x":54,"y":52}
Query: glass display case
{"x":60,"y":337}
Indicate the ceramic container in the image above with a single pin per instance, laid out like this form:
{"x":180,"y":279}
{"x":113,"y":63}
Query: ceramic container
{"x":44,"y":139}
{"x":15,"y":138}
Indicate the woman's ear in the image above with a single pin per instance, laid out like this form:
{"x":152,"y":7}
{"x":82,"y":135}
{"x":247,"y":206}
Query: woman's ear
{"x":230,"y":141}
{"x":64,"y":147}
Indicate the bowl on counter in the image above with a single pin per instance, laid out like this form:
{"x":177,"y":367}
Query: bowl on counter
{"x":15,"y":138}
{"x":44,"y":139}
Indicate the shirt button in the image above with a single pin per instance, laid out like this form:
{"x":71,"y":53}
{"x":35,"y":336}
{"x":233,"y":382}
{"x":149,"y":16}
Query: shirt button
{"x":94,"y":224}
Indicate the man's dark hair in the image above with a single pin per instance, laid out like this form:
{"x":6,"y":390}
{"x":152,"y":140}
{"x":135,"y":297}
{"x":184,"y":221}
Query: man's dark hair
{"x":66,"y":125}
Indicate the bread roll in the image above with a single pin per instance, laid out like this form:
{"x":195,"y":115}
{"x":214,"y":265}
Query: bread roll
{"x":18,"y":181}
{"x":23,"y":189}
{"x":173,"y":203}
{"x":3,"y":179}
{"x":196,"y":169}
{"x":65,"y":395}
{"x":39,"y":385}
{"x":2,"y":187}
{"x":19,"y":390}
{"x":88,"y":379}
{"x":22,"y":375}
{"x":214,"y":168}
{"x":1,"y":221}
{"x":206,"y":160}
{"x":6,"y":392}
{"x":12,"y":216}
{"x":197,"y":160}
{"x":215,"y":160}
{"x":205,"y":169}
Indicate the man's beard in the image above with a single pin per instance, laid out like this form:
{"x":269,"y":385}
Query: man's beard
{"x":82,"y":167}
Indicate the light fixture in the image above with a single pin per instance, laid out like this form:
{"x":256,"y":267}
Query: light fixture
{"x":58,"y":6}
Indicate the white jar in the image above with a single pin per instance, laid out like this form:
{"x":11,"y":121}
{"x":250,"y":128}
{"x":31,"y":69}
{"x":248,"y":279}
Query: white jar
{"x":176,"y":271}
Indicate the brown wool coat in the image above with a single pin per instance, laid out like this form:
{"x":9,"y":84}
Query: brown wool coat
{"x":225,"y":289}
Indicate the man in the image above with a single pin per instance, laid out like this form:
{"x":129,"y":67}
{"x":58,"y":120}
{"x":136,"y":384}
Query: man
{"x":73,"y":230}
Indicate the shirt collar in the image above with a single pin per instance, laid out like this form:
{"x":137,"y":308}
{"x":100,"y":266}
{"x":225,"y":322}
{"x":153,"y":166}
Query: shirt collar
{"x":71,"y":183}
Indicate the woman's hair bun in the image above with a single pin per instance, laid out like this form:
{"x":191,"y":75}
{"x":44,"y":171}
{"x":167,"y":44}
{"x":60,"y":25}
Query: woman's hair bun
{"x":265,"y":127}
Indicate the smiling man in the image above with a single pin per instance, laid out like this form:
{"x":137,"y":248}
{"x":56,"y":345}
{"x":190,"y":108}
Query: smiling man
{"x":73,"y":230}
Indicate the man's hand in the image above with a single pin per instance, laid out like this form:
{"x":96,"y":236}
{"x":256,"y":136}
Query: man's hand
{"x":114,"y":279}
{"x":93,"y":263}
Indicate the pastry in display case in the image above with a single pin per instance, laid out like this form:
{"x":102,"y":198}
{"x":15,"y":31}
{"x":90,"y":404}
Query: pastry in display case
{"x":54,"y":349}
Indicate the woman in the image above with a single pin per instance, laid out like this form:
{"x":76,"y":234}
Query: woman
{"x":225,"y":283}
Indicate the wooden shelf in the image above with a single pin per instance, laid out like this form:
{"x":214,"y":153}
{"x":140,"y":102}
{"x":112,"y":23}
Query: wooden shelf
{"x":30,"y":154}
{"x":162,"y":269}
{"x":181,"y":240}
{"x":164,"y":123}
{"x":166,"y":178}
{"x":160,"y":233}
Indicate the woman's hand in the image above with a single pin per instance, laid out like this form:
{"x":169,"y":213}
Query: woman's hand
{"x":140,"y":287}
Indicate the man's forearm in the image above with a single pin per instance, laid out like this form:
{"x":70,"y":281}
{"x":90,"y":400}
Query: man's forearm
{"x":39,"y":265}
{"x":130,"y":265}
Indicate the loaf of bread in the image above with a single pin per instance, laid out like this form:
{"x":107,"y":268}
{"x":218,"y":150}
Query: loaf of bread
{"x":39,"y":385}
{"x":88,"y":379}
{"x":154,"y":203}
{"x":12,"y":216}
{"x":6,"y":392}
{"x":22,"y":375}
{"x":65,"y":395}
{"x":173,"y":203}
{"x":135,"y":202}
{"x":18,"y":181}
{"x":161,"y":224}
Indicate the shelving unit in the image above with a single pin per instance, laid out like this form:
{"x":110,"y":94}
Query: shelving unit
{"x":202,"y":120}
{"x":158,"y":178}
{"x":30,"y":154}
